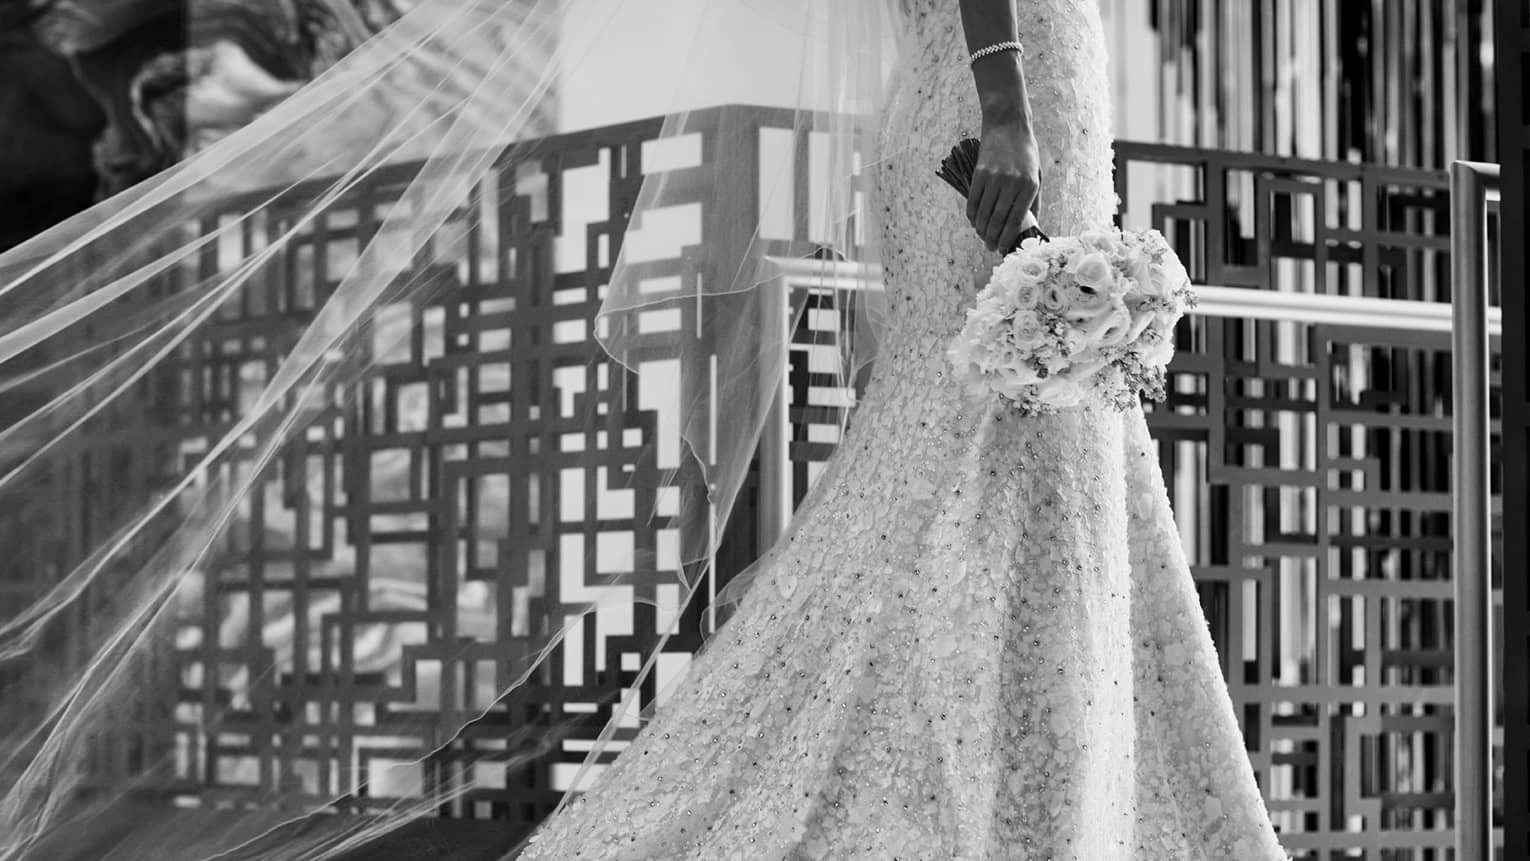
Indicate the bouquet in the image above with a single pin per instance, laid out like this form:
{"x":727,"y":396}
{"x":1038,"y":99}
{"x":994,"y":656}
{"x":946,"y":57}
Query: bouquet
{"x":1070,"y":317}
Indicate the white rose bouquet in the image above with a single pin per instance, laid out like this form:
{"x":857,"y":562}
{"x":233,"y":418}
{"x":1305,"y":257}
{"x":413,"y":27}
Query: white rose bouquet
{"x":1065,"y":318}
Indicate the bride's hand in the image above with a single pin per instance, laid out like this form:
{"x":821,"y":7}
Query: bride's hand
{"x":1004,"y":184}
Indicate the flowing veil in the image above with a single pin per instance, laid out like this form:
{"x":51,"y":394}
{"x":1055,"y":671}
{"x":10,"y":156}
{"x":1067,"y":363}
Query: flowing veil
{"x":193,"y":360}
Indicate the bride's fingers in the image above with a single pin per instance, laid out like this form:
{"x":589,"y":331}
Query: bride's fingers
{"x":1006,"y":202}
{"x":995,"y":223}
{"x":975,"y":196}
{"x":1026,"y":195}
{"x":992,"y":195}
{"x":1014,"y":222}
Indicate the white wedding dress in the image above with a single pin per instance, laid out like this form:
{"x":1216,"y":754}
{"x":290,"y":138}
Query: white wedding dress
{"x":981,"y":639}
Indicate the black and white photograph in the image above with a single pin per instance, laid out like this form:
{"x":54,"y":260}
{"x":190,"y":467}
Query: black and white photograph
{"x":764,"y":430}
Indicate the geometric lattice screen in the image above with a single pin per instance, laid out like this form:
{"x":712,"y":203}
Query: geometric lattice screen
{"x":1311,"y":466}
{"x":1313,"y":492}
{"x":406,"y":548}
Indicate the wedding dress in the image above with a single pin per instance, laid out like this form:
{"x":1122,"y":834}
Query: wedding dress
{"x":980,"y":638}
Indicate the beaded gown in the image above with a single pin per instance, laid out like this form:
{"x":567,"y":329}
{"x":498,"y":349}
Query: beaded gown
{"x":980,"y":639}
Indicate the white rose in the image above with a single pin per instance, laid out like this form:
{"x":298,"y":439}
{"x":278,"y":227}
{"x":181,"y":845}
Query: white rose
{"x":1120,"y":285}
{"x":1085,"y":301}
{"x":1110,"y":327}
{"x":1059,"y":391}
{"x":1159,"y":353}
{"x":1093,"y":270}
{"x":1165,"y":277}
{"x":1106,"y":241}
{"x":1140,"y":321}
{"x":1075,"y":341}
{"x":1152,"y":240}
{"x":1054,"y":298}
{"x":1140,"y":271}
{"x":1055,"y":362}
{"x":1027,"y":330}
{"x":1026,"y":296}
{"x":1032,"y":269}
{"x":1146,"y":284}
{"x":1085,"y":363}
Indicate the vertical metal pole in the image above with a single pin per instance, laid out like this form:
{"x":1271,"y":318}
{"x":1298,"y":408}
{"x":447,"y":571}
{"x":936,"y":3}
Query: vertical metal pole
{"x":1471,"y":527}
{"x":775,"y":502}
{"x":1457,"y":54}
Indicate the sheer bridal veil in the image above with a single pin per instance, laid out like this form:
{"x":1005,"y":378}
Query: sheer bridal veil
{"x":218,"y":638}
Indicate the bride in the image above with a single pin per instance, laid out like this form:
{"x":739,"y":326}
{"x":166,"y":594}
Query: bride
{"x":978,"y":638}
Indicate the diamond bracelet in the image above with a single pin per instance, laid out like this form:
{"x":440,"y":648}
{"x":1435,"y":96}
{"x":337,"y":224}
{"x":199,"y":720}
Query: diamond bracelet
{"x":995,"y":49}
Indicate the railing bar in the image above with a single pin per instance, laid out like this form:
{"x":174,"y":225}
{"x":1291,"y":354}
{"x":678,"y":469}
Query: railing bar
{"x":1319,"y":301}
{"x":1395,"y":314}
{"x":1216,"y":301}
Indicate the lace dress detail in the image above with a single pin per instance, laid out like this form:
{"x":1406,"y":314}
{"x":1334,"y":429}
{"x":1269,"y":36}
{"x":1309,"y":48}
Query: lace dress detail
{"x":980,"y":639}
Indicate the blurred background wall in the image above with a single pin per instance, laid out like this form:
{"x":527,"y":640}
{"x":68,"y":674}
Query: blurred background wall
{"x":98,"y":94}
{"x":1359,"y":80}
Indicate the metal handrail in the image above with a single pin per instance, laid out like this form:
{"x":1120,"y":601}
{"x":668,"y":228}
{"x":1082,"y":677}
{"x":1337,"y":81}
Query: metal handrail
{"x":1471,"y":186}
{"x":1211,"y":300}
{"x":1362,"y":311}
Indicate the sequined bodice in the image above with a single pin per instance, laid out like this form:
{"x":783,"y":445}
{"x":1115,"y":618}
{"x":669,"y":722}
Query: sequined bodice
{"x":934,"y":105}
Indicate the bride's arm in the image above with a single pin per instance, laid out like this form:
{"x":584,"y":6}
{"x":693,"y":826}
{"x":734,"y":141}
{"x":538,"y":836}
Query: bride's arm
{"x":1007,"y":178}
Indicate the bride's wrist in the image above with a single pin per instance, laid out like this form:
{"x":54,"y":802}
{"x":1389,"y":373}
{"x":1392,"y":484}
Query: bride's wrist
{"x":1011,"y":110}
{"x":1002,"y":98}
{"x":1011,"y":118}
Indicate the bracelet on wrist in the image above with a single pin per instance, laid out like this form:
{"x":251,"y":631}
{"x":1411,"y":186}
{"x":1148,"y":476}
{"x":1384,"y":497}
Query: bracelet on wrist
{"x":997,"y":48}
